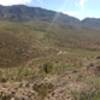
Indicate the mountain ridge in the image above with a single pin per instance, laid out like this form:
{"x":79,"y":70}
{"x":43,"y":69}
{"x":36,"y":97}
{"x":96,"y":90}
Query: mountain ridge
{"x":26,"y":13}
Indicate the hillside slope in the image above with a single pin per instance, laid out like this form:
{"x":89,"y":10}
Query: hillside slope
{"x":30,"y":33}
{"x":23,"y":41}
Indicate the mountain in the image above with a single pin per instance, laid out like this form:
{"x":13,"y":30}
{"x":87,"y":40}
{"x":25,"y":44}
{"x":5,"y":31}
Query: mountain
{"x":91,"y":23}
{"x":25,"y":13}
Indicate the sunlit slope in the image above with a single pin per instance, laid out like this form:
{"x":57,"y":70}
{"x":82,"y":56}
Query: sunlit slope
{"x":20,"y":42}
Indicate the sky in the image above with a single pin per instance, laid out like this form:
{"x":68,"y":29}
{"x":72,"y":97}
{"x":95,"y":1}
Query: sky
{"x":77,"y":8}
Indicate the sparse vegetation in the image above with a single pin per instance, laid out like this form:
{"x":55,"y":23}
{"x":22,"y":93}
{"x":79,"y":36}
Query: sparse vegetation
{"x":40,"y":61}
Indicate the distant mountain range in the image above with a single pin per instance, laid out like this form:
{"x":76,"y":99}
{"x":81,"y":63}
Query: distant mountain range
{"x":25,"y":13}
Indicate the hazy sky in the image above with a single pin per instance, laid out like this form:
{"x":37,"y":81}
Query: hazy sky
{"x":77,"y":8}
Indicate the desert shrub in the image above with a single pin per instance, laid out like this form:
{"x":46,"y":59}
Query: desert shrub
{"x":4,"y":96}
{"x":3,"y":79}
{"x":17,"y":73}
{"x":43,"y":89}
{"x":47,"y":67}
{"x":60,"y":69}
{"x":83,"y":95}
{"x":97,"y":96}
{"x":53,"y":68}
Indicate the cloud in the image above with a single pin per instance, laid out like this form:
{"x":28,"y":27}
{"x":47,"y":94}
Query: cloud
{"x":82,"y":3}
{"x":12,"y":2}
